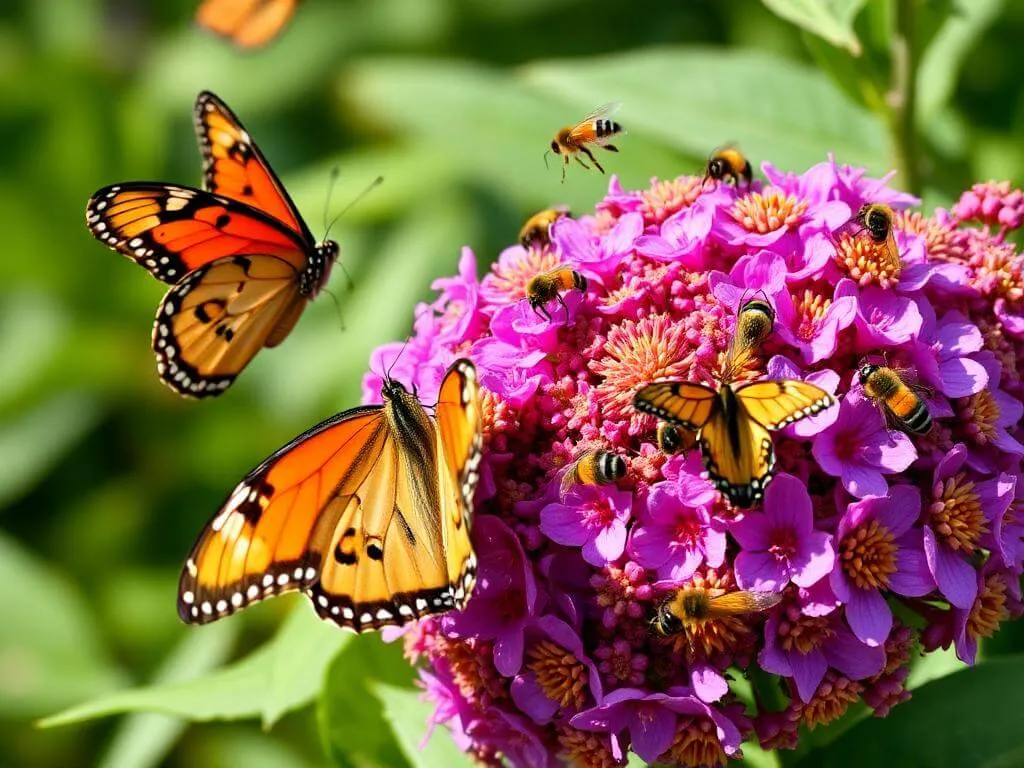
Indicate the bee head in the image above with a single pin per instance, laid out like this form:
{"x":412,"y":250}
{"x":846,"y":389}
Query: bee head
{"x":865,"y":372}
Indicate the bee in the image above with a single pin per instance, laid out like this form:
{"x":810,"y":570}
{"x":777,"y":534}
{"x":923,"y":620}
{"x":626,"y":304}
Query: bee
{"x":595,"y":128}
{"x":754,"y":323}
{"x":673,"y":439}
{"x":537,"y":229}
{"x":886,"y":387}
{"x":593,"y":468}
{"x":877,"y":220}
{"x":729,"y":163}
{"x":544,"y":287}
{"x":692,"y":607}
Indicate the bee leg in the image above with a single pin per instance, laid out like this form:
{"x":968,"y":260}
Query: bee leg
{"x":580,"y":161}
{"x":610,"y":147}
{"x":542,"y":310}
{"x":564,"y":306}
{"x":565,"y":164}
{"x":593,"y":159}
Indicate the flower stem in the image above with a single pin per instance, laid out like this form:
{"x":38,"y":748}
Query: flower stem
{"x":903,"y":95}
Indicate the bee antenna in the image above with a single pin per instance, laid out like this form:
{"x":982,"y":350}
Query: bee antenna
{"x":546,"y":153}
{"x":375,"y":183}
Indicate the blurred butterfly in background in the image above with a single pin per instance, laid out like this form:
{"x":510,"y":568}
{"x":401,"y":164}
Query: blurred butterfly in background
{"x":732,"y":425}
{"x":242,"y":262}
{"x":367,"y":513}
{"x":247,"y":23}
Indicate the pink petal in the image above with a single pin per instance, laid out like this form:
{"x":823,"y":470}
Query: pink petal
{"x":651,"y":728}
{"x":869,"y":616}
{"x":760,"y":571}
{"x":861,"y":481}
{"x":955,"y":577}
{"x":808,"y":670}
{"x":815,"y":560}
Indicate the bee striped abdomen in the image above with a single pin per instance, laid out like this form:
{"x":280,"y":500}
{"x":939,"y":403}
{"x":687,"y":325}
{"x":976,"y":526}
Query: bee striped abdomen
{"x":604,"y":127}
{"x":911,"y":411}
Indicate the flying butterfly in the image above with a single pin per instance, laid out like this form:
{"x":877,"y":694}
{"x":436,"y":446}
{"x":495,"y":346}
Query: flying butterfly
{"x":729,"y":163}
{"x":692,"y":607}
{"x":537,"y":229}
{"x":733,"y":425}
{"x":673,"y":439}
{"x":595,"y":129}
{"x":544,"y":287}
{"x":242,"y":263}
{"x":593,"y":468}
{"x":890,"y":391}
{"x":367,"y":513}
{"x":247,"y":23}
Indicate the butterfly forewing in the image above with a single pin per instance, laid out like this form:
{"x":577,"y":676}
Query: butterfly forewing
{"x":774,"y":404}
{"x":247,"y":23}
{"x":684,"y":403}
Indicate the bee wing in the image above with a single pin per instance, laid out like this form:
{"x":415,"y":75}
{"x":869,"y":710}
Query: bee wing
{"x":583,"y":130}
{"x":605,"y":110}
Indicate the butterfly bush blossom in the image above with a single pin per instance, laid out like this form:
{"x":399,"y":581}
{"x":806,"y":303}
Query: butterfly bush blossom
{"x":555,"y":660}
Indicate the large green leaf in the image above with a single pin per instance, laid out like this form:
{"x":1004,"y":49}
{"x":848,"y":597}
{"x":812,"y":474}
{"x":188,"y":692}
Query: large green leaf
{"x":351,"y":719}
{"x":829,"y":19}
{"x":969,"y":719}
{"x":144,"y":739}
{"x":283,"y":675}
{"x":407,"y":713}
{"x":696,"y":99}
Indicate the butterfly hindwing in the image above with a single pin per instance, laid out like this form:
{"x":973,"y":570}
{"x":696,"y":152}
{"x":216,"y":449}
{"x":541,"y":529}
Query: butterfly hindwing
{"x":738,"y":455}
{"x":247,"y":23}
{"x":359,"y":512}
{"x":776,"y":403}
{"x":684,"y":403}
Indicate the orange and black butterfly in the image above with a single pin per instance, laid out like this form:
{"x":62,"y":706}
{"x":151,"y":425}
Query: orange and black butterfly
{"x":247,"y":23}
{"x":733,"y":425}
{"x":242,"y":262}
{"x":367,"y":513}
{"x":595,"y":129}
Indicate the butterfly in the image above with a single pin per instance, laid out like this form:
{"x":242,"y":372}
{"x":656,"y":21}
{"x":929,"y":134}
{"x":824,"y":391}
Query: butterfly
{"x":242,"y":263}
{"x":732,"y":425}
{"x":247,"y":23}
{"x":367,"y":513}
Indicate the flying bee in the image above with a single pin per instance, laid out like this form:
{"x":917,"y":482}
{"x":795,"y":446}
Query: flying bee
{"x":877,"y":220}
{"x":673,"y":439}
{"x":544,"y":287}
{"x":593,"y":468}
{"x":537,"y":229}
{"x":898,"y":399}
{"x":729,"y":163}
{"x":573,"y":140}
{"x":689,"y":608}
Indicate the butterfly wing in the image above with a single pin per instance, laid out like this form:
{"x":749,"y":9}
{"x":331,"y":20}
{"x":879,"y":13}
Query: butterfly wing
{"x":774,"y":404}
{"x":684,"y":403}
{"x":234,"y":167}
{"x":171,"y":230}
{"x":248,"y":23}
{"x":351,"y":512}
{"x":211,"y":324}
{"x":738,"y":455}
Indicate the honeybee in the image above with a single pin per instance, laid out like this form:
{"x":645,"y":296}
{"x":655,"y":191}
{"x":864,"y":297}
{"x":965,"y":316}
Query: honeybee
{"x":593,"y":468}
{"x":544,"y":287}
{"x":877,"y":220}
{"x":673,"y":439}
{"x":595,"y":128}
{"x":754,"y":323}
{"x":729,"y":163}
{"x":692,"y":607}
{"x":537,"y":229}
{"x":887,"y":388}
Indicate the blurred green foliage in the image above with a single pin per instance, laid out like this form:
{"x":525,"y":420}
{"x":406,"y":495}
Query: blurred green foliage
{"x":108,"y":477}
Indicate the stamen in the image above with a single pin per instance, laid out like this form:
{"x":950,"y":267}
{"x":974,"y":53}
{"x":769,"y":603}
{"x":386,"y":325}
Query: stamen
{"x":956,"y":513}
{"x":868,"y":555}
{"x":767,"y":211}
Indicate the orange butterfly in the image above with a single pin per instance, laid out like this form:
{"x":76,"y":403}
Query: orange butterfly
{"x":242,"y":261}
{"x":247,"y":23}
{"x":368,"y":513}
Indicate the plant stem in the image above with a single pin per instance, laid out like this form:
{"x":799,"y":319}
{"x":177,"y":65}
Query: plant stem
{"x":903,"y":96}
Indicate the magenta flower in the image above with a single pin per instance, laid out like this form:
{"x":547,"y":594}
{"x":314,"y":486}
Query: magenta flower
{"x":593,"y":519}
{"x":677,"y":534}
{"x":684,"y":233}
{"x":879,"y":550}
{"x":941,"y":354}
{"x":650,"y":719}
{"x":884,"y":318}
{"x":811,"y":322}
{"x":781,"y":544}
{"x":592,"y":255}
{"x":859,"y":450}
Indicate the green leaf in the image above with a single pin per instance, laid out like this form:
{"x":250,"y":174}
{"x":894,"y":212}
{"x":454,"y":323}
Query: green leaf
{"x":50,"y":651}
{"x":760,"y":101}
{"x":32,"y":326}
{"x":143,"y":740}
{"x":965,"y":720}
{"x":828,"y":19}
{"x":408,"y":714}
{"x":939,"y":68}
{"x":350,"y":717}
{"x":284,"y":674}
{"x":33,"y":441}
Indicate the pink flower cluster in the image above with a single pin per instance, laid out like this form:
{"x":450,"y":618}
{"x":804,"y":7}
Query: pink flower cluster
{"x":555,"y":659}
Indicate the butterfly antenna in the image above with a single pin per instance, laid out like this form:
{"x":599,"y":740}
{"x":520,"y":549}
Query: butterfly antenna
{"x":337,"y":306}
{"x":373,"y":184}
{"x":387,"y":374}
{"x":335,"y":172}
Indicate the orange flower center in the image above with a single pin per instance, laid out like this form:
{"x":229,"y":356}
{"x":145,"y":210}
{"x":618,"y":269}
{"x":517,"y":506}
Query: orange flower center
{"x":561,"y":676}
{"x":981,"y":414}
{"x":696,"y":745}
{"x":805,"y":634}
{"x":584,"y":748}
{"x":830,"y":702}
{"x":811,"y":310}
{"x":956,"y":513}
{"x":989,"y":609}
{"x":667,"y":197}
{"x":767,"y":211}
{"x":866,"y":261}
{"x":868,"y":555}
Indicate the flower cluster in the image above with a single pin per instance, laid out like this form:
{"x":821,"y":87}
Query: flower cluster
{"x":555,"y":659}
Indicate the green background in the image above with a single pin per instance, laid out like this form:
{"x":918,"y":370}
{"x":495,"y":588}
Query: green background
{"x":106,"y":477}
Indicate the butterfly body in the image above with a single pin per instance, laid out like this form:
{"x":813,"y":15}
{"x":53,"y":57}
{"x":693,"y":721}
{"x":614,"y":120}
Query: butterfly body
{"x":367,"y":513}
{"x":242,"y":263}
{"x":733,"y":425}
